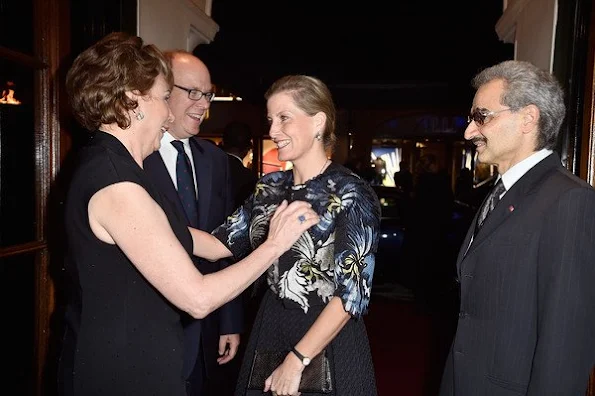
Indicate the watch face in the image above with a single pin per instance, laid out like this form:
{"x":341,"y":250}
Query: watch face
{"x":306,"y":361}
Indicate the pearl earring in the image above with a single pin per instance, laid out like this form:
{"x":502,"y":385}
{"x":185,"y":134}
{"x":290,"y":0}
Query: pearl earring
{"x":318,"y":136}
{"x":140,"y":115}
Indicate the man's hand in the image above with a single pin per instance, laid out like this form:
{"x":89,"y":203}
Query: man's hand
{"x":228,"y":347}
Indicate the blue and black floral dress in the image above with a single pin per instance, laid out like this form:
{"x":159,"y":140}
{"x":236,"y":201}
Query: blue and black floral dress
{"x":333,"y":258}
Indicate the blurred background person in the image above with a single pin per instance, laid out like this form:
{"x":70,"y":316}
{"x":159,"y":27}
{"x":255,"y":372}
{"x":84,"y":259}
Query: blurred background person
{"x":237,"y":143}
{"x":404,"y":179}
{"x":464,"y":187}
{"x":428,"y":260}
{"x":361,"y":166}
{"x":433,"y":257}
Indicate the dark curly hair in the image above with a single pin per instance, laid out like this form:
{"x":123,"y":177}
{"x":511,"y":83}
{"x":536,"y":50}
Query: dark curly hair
{"x":101,"y":75}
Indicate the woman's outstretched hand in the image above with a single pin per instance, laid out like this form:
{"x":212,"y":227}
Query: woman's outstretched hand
{"x":289,"y":222}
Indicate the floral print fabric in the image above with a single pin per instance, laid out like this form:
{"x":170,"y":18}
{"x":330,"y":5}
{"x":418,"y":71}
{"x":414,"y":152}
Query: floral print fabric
{"x":334,"y":257}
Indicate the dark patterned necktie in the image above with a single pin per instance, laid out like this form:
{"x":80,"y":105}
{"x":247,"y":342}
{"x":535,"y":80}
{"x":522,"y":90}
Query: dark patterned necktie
{"x":489,"y":204}
{"x":186,"y":188}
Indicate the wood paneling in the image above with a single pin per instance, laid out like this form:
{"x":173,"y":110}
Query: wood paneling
{"x":29,"y":61}
{"x":570,"y":69}
{"x":51,"y":25}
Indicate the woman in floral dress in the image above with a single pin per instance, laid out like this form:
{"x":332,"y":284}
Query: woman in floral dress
{"x":320,"y":288}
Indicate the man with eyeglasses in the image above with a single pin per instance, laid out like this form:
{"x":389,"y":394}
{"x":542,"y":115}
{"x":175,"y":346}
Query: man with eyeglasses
{"x":527,"y":266}
{"x":194,"y":175}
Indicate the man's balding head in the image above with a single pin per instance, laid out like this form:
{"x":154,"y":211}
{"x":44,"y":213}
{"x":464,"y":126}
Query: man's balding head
{"x":190,"y":73}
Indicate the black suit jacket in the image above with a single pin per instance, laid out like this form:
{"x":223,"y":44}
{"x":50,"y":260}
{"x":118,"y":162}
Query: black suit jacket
{"x":242,"y":179}
{"x":215,"y":203}
{"x":527,"y":315}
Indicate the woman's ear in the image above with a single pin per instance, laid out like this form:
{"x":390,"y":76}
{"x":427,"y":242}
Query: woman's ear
{"x":319,"y":121}
{"x":132,"y":95}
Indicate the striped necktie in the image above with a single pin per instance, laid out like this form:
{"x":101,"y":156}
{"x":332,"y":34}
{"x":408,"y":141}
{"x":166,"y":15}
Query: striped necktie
{"x":489,"y":204}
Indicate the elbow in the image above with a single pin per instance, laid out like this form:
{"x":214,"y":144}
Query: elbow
{"x":199,"y":313}
{"x":204,"y":297}
{"x":202,"y":307}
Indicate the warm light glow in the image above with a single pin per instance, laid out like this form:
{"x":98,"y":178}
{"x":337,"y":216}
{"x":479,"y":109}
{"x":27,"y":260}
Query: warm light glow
{"x":270,"y":158}
{"x":8,"y":96}
{"x":227,"y":98}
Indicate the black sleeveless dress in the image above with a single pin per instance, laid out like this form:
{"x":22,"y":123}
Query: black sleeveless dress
{"x":129,"y":340}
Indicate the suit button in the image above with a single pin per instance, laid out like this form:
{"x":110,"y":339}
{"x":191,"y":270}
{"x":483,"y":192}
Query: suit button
{"x":462,"y":314}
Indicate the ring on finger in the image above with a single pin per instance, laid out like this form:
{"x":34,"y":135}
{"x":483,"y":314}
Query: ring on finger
{"x":301,"y":218}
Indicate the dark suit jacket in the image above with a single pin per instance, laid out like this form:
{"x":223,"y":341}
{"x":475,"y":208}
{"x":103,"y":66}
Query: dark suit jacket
{"x":242,"y":179}
{"x":527,"y":316}
{"x":214,"y":205}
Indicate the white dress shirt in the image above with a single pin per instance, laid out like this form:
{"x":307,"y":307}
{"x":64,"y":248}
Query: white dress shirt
{"x":170,"y":156}
{"x":518,"y":170}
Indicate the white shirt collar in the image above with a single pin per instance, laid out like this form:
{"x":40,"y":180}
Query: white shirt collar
{"x":168,"y":138}
{"x":169,"y":154}
{"x":517,"y":171}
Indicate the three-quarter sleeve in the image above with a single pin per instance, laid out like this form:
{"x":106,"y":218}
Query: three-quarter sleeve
{"x":356,"y":242}
{"x":235,"y":232}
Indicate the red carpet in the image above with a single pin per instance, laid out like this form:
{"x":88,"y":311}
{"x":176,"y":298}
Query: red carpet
{"x":404,"y":348}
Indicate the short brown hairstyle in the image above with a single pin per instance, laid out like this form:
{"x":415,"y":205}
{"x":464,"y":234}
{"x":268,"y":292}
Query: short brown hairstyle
{"x":312,"y":96}
{"x":101,"y":75}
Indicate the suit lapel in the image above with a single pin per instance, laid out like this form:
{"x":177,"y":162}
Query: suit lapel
{"x":511,"y":203}
{"x":465,"y":246}
{"x":155,"y":166}
{"x":204,"y":175}
{"x":501,"y":212}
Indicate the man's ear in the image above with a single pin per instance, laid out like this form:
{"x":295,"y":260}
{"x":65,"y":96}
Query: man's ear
{"x":530,"y":118}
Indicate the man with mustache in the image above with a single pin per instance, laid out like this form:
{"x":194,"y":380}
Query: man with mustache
{"x":527,"y":266}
